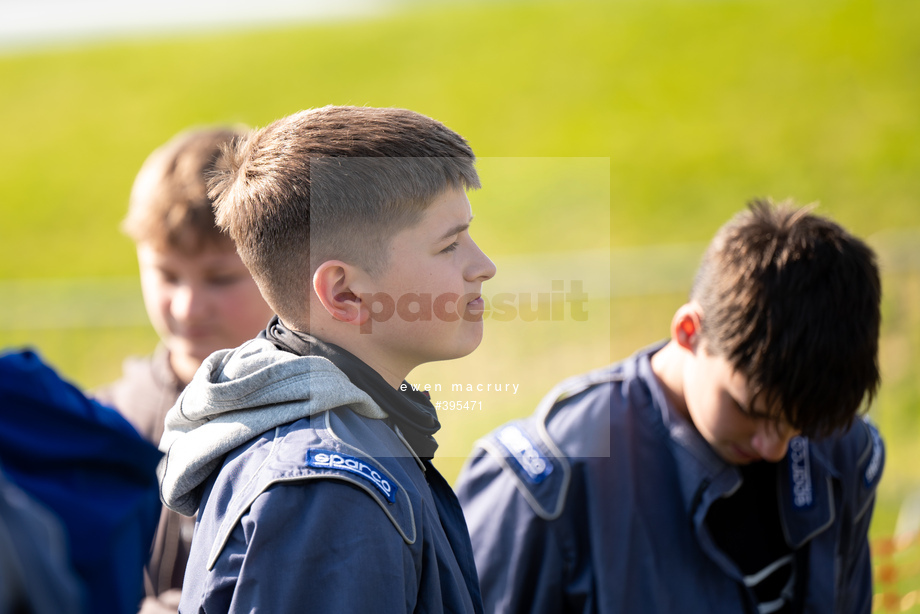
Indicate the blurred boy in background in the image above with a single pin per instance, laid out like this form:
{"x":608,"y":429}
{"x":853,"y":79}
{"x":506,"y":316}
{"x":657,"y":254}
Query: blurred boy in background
{"x":199,"y":297}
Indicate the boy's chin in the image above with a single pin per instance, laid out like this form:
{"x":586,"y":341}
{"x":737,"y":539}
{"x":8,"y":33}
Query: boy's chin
{"x":462,"y":349}
{"x":475,"y":339}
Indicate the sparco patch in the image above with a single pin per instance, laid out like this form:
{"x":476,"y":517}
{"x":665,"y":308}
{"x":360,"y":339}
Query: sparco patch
{"x":800,"y":473}
{"x":327,"y":459}
{"x":534,"y":464}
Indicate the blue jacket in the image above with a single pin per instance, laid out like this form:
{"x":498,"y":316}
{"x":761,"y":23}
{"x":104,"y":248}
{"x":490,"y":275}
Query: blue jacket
{"x":86,"y":464}
{"x":309,"y":499}
{"x":335,"y":502}
{"x":598,"y":503}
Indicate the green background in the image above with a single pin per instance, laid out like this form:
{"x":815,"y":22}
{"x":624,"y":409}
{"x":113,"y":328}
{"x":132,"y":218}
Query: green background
{"x":629,"y":129}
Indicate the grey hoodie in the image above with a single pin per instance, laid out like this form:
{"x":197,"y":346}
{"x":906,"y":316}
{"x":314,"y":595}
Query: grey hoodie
{"x":237,"y":395}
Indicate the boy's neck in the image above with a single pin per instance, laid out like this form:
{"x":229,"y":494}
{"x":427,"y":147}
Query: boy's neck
{"x":382,"y":365}
{"x":183,"y":367}
{"x":385,"y":366}
{"x":668,"y":367}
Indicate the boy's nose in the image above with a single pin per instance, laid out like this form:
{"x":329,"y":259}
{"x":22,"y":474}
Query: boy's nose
{"x":482,"y":268}
{"x":771,"y":443}
{"x":188,"y":302}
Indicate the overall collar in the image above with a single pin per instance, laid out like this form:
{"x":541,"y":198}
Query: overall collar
{"x":804,"y":477}
{"x":408,"y":409}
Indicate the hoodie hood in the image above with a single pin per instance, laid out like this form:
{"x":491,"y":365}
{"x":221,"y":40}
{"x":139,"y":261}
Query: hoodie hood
{"x":237,"y":395}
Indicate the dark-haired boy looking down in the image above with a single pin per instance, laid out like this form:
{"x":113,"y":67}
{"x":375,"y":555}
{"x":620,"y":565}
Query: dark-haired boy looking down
{"x":722,"y":471}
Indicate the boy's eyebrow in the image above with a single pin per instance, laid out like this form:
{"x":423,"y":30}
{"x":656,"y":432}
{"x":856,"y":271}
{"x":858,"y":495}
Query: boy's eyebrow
{"x":455,"y":230}
{"x":753,"y":413}
{"x":745,"y":409}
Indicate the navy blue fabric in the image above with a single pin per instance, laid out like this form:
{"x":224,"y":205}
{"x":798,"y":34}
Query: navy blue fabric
{"x":458,"y":536}
{"x":88,"y":465}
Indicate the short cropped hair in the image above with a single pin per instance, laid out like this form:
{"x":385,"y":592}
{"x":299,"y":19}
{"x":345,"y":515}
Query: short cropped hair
{"x":331,"y":183}
{"x":792,"y":301}
{"x":169,"y":205}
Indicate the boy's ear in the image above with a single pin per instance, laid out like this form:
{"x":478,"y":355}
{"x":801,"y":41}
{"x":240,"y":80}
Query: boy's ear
{"x":685,"y":326}
{"x":332,"y":283}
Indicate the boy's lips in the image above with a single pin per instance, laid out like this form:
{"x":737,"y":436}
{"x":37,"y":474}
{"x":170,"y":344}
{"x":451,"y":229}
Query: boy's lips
{"x":194,"y":334}
{"x":476,"y":306}
{"x":748,"y":457}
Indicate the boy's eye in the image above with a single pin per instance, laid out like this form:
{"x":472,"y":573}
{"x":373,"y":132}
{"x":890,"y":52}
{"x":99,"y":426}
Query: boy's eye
{"x":224,"y":280}
{"x":451,"y":247}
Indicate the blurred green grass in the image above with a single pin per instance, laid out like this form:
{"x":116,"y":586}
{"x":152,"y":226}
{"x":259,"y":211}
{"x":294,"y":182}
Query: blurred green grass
{"x":671,"y":112}
{"x":699,"y":106}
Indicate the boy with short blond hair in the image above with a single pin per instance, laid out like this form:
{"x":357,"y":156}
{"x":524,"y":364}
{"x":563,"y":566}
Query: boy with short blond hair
{"x":724,"y":470}
{"x":199,"y":298}
{"x":310,"y":470}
